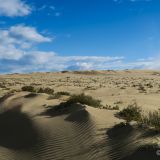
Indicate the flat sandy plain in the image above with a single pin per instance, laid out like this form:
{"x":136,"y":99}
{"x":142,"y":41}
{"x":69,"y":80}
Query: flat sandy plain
{"x":84,"y":132}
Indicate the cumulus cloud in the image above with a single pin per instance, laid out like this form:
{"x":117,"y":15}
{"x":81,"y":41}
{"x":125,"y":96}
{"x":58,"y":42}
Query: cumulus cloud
{"x":27,"y":33}
{"x":10,"y":52}
{"x":12,"y":8}
{"x":34,"y":61}
{"x":15,"y":40}
{"x":17,"y":55}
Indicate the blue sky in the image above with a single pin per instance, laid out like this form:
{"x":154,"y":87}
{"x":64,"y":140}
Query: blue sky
{"x":55,"y":35}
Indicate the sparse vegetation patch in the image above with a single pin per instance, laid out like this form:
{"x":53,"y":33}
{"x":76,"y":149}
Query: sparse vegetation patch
{"x":84,"y":99}
{"x":37,"y":90}
{"x":109,"y":107}
{"x":152,"y":119}
{"x":28,"y":89}
{"x":45,"y":90}
{"x":132,"y":112}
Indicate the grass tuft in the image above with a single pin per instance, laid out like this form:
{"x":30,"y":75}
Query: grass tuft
{"x":84,"y":99}
{"x":132,"y":112}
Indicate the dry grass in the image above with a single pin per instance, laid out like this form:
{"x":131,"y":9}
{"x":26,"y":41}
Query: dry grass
{"x":132,"y":112}
{"x":152,"y":119}
{"x":84,"y":99}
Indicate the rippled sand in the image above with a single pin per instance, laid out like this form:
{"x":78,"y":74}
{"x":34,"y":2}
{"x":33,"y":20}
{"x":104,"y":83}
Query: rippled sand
{"x":31,"y":131}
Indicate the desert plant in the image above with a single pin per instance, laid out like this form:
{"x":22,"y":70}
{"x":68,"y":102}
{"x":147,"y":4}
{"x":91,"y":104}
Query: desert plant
{"x":118,"y":102}
{"x":58,"y":95}
{"x":63,"y":93}
{"x":46,"y":90}
{"x":149,"y":85}
{"x":109,"y":107}
{"x":84,"y":99}
{"x":152,"y":119}
{"x":116,"y":107}
{"x":64,"y":71}
{"x":132,"y":112}
{"x":2,"y":85}
{"x":123,"y":87}
{"x":141,"y":88}
{"x":28,"y":88}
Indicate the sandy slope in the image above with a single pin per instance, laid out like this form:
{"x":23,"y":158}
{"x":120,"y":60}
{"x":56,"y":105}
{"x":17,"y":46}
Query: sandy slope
{"x":109,"y":86}
{"x":76,"y":135}
{"x":31,"y":131}
{"x":82,"y":133}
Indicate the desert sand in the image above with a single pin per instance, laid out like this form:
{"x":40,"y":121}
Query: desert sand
{"x":31,"y":131}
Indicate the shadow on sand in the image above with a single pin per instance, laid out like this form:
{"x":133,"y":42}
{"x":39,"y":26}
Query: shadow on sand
{"x":124,"y":141}
{"x":144,"y":152}
{"x":80,"y":116}
{"x":17,"y":130}
{"x":31,"y":95}
{"x":75,"y":112}
{"x":2,"y":99}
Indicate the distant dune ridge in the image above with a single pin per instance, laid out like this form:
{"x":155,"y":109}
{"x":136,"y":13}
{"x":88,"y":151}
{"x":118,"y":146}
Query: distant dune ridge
{"x":51,"y":126}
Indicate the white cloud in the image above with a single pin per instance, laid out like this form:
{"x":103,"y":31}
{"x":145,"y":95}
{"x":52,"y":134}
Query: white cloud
{"x":49,"y":61}
{"x":10,"y":52}
{"x":14,"y":8}
{"x":17,"y":55}
{"x":33,"y":61}
{"x":28,"y":33}
{"x":15,"y":40}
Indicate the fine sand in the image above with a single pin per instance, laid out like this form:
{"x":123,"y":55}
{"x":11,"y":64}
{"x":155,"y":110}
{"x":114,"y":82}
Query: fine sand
{"x":30,"y":130}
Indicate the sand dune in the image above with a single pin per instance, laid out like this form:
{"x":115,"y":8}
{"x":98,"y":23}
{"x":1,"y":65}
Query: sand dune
{"x":31,"y":129}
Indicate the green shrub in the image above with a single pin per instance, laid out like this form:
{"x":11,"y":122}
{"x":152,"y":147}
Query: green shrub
{"x":141,"y":88}
{"x":118,"y":102}
{"x":63,"y":93}
{"x":28,"y":88}
{"x":39,"y":90}
{"x":115,"y":107}
{"x":46,"y":90}
{"x":152,"y":119}
{"x":132,"y":112}
{"x":84,"y":99}
{"x":109,"y":107}
{"x":58,"y":95}
{"x":64,"y":71}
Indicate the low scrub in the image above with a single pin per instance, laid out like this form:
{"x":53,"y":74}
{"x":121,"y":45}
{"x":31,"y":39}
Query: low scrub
{"x":109,"y":107}
{"x":141,"y":88}
{"x":45,"y":90}
{"x":132,"y":112}
{"x":37,"y":90}
{"x":63,"y":93}
{"x":64,"y":71}
{"x":28,"y":89}
{"x":152,"y":119}
{"x":84,"y":99}
{"x":58,"y":95}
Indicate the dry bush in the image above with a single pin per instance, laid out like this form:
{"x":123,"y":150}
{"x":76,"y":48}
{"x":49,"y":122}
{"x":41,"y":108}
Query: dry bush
{"x":46,"y":90}
{"x":28,"y":88}
{"x":132,"y":112}
{"x":84,"y":99}
{"x":152,"y":119}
